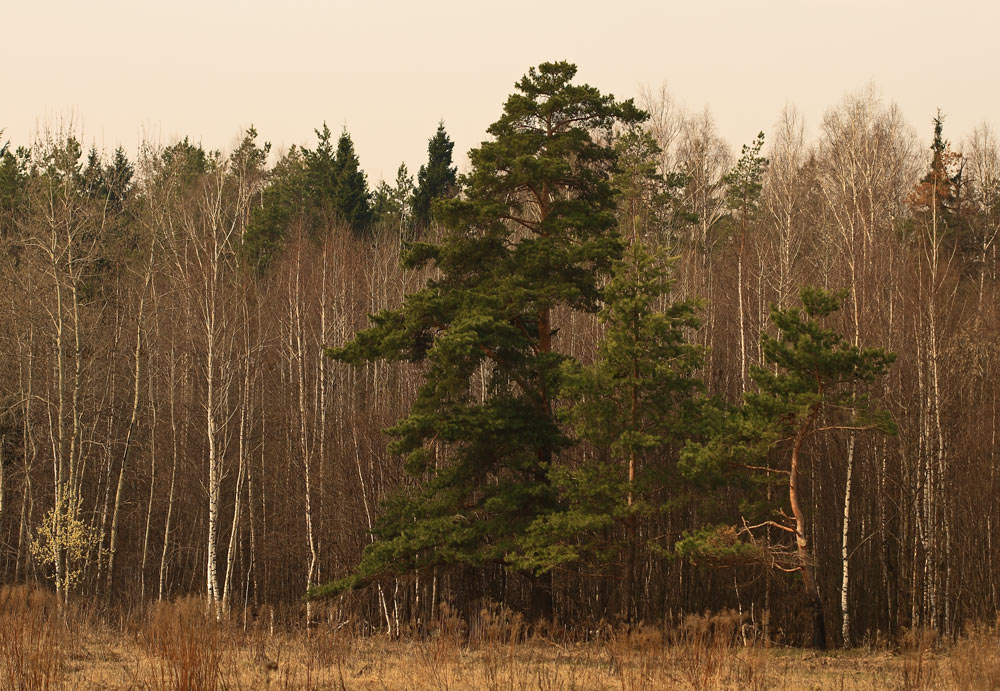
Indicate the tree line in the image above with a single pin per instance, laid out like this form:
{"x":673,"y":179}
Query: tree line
{"x":624,"y":373}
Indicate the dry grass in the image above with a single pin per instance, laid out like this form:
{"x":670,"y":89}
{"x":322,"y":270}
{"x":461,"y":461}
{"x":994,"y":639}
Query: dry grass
{"x":185,"y":645}
{"x":34,"y":639}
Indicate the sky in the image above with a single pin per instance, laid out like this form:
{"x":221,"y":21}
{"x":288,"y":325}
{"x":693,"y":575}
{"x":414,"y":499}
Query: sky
{"x":125,"y":71}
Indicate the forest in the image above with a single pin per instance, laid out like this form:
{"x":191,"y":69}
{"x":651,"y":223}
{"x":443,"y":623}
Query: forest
{"x":617,"y":371}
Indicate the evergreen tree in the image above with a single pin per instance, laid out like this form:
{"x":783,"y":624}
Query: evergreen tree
{"x":534,"y":231}
{"x":284,"y":200}
{"x":186,"y":160}
{"x":93,"y":175}
{"x":382,"y":207}
{"x":435,"y":180}
{"x":636,"y":404}
{"x":393,"y":206}
{"x":814,"y":388}
{"x":744,"y":184}
{"x":350,"y":199}
{"x":118,"y":180}
{"x":938,"y":200}
{"x":649,"y":205}
{"x":937,"y":193}
{"x":13,"y":182}
{"x":300,"y":190}
{"x":320,"y":170}
{"x":109,"y":184}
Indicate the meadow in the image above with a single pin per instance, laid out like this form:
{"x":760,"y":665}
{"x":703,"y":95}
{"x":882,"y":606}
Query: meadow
{"x":183,"y":645}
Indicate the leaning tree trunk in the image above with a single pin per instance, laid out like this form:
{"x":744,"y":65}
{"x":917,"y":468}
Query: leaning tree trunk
{"x":805,"y":555}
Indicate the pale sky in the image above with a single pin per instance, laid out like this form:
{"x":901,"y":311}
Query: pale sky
{"x":124,"y":70}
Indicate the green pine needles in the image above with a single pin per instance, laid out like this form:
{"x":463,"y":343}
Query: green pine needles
{"x":814,"y":384}
{"x":636,"y":405}
{"x":535,"y":230}
{"x":522,"y":458}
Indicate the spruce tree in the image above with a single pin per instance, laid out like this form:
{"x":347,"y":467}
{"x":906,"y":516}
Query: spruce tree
{"x":937,"y":192}
{"x":534,"y":231}
{"x":92,"y":176}
{"x":813,"y":385}
{"x":351,"y":200}
{"x":109,"y":184}
{"x":311,"y":187}
{"x":435,"y":180}
{"x":118,"y":177}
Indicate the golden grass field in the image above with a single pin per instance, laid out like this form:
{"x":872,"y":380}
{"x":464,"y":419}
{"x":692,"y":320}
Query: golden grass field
{"x":181,"y":645}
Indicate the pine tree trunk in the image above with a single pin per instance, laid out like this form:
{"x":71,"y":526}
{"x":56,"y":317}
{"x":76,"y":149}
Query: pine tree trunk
{"x":805,"y":556}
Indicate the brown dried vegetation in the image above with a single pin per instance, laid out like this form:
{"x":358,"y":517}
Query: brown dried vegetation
{"x":183,"y":645}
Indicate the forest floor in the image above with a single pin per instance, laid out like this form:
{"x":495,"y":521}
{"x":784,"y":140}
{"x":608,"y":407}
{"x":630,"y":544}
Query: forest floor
{"x":180,"y":646}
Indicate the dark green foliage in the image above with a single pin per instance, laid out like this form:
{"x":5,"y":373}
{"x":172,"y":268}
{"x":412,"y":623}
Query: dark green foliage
{"x":350,"y":199}
{"x":249,"y":158}
{"x":939,"y":189}
{"x":118,"y":180}
{"x":744,"y":184}
{"x":334,"y":185}
{"x":109,"y":184}
{"x":184,"y":161}
{"x":636,"y":405}
{"x":814,"y":383}
{"x":941,"y":199}
{"x":746,"y":180}
{"x":534,"y":231}
{"x":309,"y":188}
{"x":438,"y":179}
{"x":649,"y":205}
{"x":13,"y":183}
{"x":320,"y":167}
{"x":284,"y":200}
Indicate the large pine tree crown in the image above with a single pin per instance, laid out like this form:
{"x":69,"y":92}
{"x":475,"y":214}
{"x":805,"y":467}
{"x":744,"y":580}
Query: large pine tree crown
{"x":533,"y":230}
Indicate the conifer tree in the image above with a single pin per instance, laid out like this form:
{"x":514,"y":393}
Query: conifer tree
{"x":93,"y":175}
{"x":184,"y":161}
{"x":938,"y":191}
{"x":350,"y":199}
{"x":320,"y":168}
{"x":300,"y":190}
{"x":636,"y":404}
{"x":118,"y":178}
{"x":435,"y":180}
{"x":286,"y":199}
{"x":649,"y":205}
{"x":534,"y":231}
{"x":394,"y":205}
{"x":744,"y":184}
{"x":13,"y":181}
{"x":813,"y":388}
{"x":310,"y":187}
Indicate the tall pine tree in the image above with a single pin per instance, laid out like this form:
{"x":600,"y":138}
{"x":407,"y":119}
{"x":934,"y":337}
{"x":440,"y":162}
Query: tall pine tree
{"x":637,"y":405}
{"x":535,"y":231}
{"x":813,"y":385}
